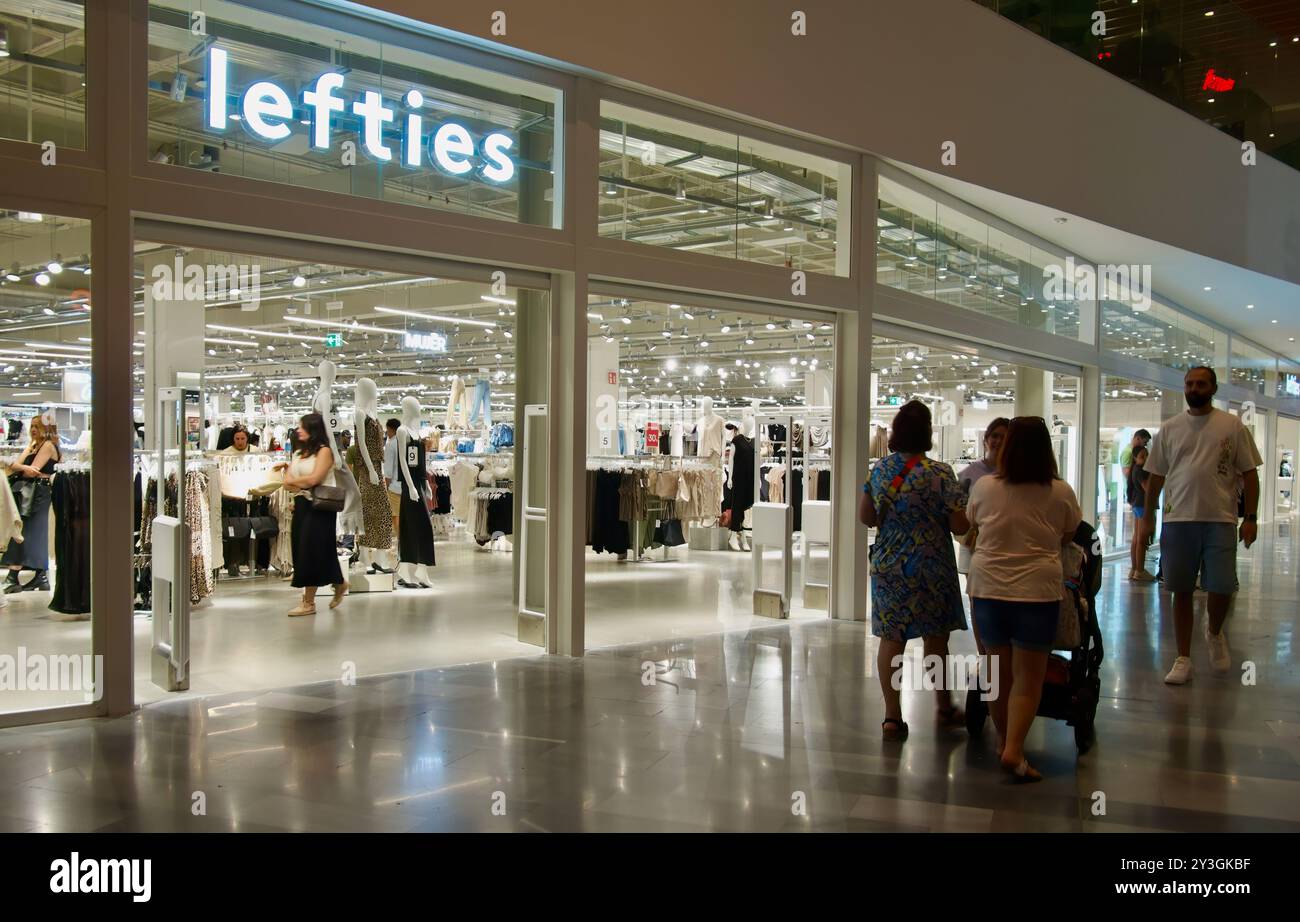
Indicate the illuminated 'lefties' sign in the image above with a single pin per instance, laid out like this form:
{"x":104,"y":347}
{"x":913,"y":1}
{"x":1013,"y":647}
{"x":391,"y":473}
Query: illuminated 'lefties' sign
{"x":267,"y":112}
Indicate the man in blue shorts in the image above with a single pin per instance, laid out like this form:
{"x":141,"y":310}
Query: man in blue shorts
{"x":1195,"y":459}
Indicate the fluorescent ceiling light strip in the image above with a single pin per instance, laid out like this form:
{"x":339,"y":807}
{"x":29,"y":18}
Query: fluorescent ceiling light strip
{"x":302,"y":293}
{"x":496,"y":300}
{"x":440,"y":317}
{"x":27,"y":394}
{"x":229,"y":342}
{"x":266,"y":333}
{"x":242,"y":374}
{"x":360,"y":327}
{"x":67,"y":347}
{"x":13,"y":359}
{"x":6,"y":353}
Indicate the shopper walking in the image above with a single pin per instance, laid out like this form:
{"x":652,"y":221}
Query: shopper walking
{"x":1137,"y":491}
{"x":1024,"y":514}
{"x":1196,"y":459}
{"x":29,"y":478}
{"x":315,"y":560}
{"x":971,"y":474}
{"x":916,"y":504}
{"x":1141,"y":439}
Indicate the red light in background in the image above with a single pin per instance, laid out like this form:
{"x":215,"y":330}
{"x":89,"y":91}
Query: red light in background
{"x":1219,"y":84}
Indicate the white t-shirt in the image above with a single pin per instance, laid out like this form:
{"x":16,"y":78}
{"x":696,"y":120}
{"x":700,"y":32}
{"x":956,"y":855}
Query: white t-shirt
{"x":1200,"y":458}
{"x":1021,"y":527}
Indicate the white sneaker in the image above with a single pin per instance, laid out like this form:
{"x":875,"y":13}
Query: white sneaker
{"x":1142,"y":576}
{"x":1220,"y":658}
{"x":1181,"y":674}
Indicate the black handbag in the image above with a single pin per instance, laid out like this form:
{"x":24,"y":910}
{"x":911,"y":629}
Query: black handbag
{"x":24,"y":490}
{"x":327,"y":499}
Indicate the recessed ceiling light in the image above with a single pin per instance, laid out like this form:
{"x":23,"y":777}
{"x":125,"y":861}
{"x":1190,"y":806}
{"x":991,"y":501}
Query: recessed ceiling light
{"x":1250,"y":307}
{"x":1209,"y":288}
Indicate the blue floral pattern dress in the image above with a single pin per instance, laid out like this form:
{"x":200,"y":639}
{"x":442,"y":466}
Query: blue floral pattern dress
{"x":914,"y":586}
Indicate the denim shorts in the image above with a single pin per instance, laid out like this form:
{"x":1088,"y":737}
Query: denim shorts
{"x":1027,"y":625}
{"x":1139,"y":511}
{"x":1205,"y":548}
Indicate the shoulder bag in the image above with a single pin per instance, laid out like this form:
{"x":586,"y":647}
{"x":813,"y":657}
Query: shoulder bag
{"x":327,"y":499}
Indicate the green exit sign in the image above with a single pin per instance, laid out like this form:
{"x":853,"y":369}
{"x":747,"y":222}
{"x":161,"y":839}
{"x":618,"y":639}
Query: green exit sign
{"x":333,"y":340}
{"x":895,"y":400}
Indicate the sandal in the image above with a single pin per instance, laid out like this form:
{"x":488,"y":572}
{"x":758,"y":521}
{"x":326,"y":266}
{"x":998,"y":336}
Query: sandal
{"x":951,"y":716}
{"x":895,"y":734}
{"x":1024,"y":773}
{"x":302,"y":609}
{"x":339,"y":592}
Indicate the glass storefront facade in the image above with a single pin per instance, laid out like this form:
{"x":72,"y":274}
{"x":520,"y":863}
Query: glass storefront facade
{"x":43,"y":72}
{"x":268,"y":105}
{"x":669,"y":183}
{"x":302,"y":105}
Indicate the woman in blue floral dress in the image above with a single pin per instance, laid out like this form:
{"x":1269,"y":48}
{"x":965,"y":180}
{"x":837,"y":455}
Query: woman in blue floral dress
{"x":917,"y":505}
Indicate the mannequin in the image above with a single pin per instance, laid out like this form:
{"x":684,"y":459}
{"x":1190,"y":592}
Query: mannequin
{"x":366,"y":457}
{"x":740,"y":486}
{"x":709,"y":430}
{"x":747,"y":418}
{"x":457,"y":405}
{"x":350,"y":519}
{"x":415,"y":538}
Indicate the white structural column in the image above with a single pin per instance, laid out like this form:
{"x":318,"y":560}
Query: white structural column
{"x":1089,"y":441}
{"x":1034,"y":392}
{"x":851,"y":431}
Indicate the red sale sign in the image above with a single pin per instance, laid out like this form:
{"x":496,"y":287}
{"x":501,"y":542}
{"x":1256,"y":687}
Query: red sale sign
{"x":613,"y":377}
{"x":652,"y":435}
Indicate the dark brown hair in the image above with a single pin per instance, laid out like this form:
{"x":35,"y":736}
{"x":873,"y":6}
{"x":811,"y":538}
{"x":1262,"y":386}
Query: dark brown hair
{"x":909,"y":433}
{"x":1000,"y":422}
{"x":1027,"y":455}
{"x":317,"y":438}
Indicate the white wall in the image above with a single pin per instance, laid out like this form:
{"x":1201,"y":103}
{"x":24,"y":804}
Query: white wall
{"x":900,"y":78}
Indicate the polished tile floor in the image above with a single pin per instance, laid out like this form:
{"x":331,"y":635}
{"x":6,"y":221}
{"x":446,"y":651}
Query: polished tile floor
{"x":766,"y":727}
{"x":241,"y":639}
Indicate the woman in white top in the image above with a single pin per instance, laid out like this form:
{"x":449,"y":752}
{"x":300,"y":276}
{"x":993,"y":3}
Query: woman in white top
{"x":315,"y":558}
{"x":1025,"y":513}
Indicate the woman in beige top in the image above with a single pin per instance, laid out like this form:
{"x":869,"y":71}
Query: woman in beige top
{"x":1025,"y":513}
{"x":315,"y":557}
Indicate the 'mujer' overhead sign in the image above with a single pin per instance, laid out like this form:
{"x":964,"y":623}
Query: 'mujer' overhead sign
{"x":267,"y":112}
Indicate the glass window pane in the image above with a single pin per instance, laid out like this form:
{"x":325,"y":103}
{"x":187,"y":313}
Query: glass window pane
{"x":43,"y":72}
{"x":45,"y":393}
{"x":305,"y":105}
{"x":670,"y":183}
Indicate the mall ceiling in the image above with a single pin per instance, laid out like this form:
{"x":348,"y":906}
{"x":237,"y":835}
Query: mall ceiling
{"x":1168,"y":48}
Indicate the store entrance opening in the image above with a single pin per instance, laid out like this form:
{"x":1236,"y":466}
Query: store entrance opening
{"x":708,"y":468}
{"x":966,"y":389}
{"x":420,"y":384}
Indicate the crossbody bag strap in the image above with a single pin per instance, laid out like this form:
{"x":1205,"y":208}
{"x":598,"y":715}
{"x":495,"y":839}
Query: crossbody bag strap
{"x":896,"y":484}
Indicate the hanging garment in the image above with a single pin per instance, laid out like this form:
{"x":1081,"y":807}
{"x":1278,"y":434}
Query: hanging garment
{"x":776,"y":484}
{"x":215,"y":544}
{"x":457,"y":407}
{"x":481,"y":404}
{"x":375,"y":512}
{"x":282,"y":548}
{"x":463,"y":477}
{"x":415,"y":530}
{"x":351,"y":520}
{"x":11,"y":521}
{"x":609,"y":533}
{"x":71,"y":501}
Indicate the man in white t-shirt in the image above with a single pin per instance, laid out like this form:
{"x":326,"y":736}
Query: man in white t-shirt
{"x":1196,"y":459}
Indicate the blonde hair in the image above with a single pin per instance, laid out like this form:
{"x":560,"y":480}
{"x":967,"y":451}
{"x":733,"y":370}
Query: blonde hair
{"x":44,"y":430}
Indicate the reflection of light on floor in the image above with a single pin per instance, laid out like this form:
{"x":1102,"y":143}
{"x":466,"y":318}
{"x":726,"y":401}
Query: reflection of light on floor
{"x":432,"y":793}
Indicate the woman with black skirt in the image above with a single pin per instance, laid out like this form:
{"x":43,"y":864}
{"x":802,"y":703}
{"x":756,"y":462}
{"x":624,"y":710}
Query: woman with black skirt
{"x":30,"y":479}
{"x":315,"y":560}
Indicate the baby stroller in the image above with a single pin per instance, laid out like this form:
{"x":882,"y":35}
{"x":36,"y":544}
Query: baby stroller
{"x":1072,"y":686}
